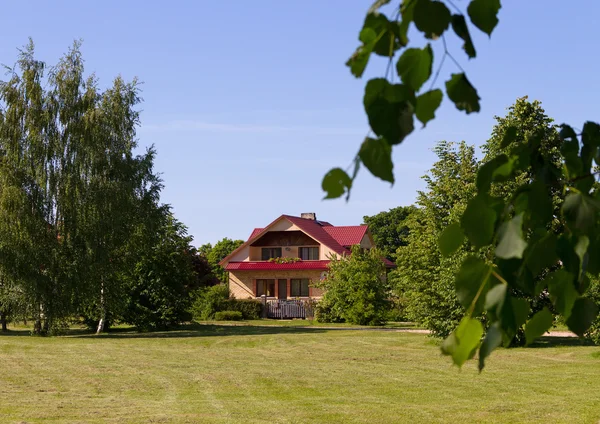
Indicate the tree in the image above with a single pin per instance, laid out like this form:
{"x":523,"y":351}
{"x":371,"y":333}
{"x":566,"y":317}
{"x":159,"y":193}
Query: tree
{"x":70,"y":187}
{"x":533,"y":248}
{"x":389,"y":229}
{"x":214,"y":255}
{"x":356,"y":290}
{"x":163,"y":280}
{"x":424,"y":279}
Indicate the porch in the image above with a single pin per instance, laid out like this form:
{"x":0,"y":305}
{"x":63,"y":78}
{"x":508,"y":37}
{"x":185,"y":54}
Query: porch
{"x":289,"y":309}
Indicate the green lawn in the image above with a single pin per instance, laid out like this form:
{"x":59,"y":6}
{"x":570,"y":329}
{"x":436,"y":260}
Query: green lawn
{"x":245,"y":374}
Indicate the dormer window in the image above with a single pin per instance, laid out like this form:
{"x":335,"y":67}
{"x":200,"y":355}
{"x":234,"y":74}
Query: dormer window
{"x":270,"y":252}
{"x":308,"y":253}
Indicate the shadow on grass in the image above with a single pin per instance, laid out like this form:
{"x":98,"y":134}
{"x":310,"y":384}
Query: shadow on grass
{"x":202,"y":330}
{"x":554,"y":341}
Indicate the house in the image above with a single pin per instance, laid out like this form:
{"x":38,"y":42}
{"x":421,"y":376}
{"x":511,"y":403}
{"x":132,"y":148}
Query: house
{"x":283,"y":258}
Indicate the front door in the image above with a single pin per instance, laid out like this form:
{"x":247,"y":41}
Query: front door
{"x":282,"y":288}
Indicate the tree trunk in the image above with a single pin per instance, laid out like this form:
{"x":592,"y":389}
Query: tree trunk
{"x":102,"y":321}
{"x":37,"y":325}
{"x":3,"y":320}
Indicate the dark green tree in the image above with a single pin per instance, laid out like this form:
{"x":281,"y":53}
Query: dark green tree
{"x":214,"y":255}
{"x":389,"y":229}
{"x":163,"y":280}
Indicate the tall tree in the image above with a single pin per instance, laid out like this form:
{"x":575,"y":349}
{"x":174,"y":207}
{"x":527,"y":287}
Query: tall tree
{"x":164,"y":277}
{"x":390,"y":229}
{"x":424,"y":278}
{"x":69,"y":184}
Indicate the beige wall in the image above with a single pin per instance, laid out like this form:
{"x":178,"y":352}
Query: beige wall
{"x":241,"y":283}
{"x":366,"y":242}
{"x":242,"y":255}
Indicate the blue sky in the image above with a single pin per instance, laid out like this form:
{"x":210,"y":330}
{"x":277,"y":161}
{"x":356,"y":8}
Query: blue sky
{"x":249,"y":103}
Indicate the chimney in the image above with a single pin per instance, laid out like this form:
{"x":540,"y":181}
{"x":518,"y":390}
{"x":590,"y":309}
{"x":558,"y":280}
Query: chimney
{"x":309,"y":215}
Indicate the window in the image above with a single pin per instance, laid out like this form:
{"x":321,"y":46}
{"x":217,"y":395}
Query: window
{"x":270,"y":252}
{"x":266,"y":287}
{"x":299,"y":287}
{"x":308,"y":253}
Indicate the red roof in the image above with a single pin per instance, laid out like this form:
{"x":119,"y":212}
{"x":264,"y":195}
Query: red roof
{"x":348,"y":235}
{"x":337,"y":239}
{"x":266,"y":266}
{"x":255,"y":232}
{"x":316,"y":231}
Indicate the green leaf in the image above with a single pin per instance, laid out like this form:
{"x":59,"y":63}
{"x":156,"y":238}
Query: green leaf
{"x":580,"y":210}
{"x":451,"y":239}
{"x":538,"y":325}
{"x":376,"y":154}
{"x":378,"y":35}
{"x":389,"y":109}
{"x":464,"y":341}
{"x":462,"y":93}
{"x":472,"y":283}
{"x":562,"y":291}
{"x":494,"y":300}
{"x":484,"y":14}
{"x":336,"y":182}
{"x":582,"y":315}
{"x":359,"y":59}
{"x":510,"y":234}
{"x":514,"y":314}
{"x":492,"y":340}
{"x":540,"y":203}
{"x":459,"y":25}
{"x":478,"y":221}
{"x":432,"y":18}
{"x":485,"y":174}
{"x":581,"y":249}
{"x":427,"y":104}
{"x":414,"y":66}
{"x":377,"y":4}
{"x":509,"y":137}
{"x":542,"y":255}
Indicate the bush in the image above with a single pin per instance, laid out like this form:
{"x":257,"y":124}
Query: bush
{"x":355,"y":289}
{"x":216,"y":299}
{"x":228,"y":316}
{"x":250,"y":308}
{"x":210,"y":301}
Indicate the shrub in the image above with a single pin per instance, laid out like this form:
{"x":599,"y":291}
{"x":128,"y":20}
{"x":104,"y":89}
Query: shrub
{"x":355,"y":289}
{"x":228,"y":316}
{"x":210,"y":301}
{"x":250,"y":308}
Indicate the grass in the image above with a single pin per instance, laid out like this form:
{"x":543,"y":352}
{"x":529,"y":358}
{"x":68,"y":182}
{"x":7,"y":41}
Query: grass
{"x":251,"y":374}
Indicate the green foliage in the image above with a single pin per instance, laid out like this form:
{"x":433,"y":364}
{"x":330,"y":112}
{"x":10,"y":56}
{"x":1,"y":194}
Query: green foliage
{"x":228,"y":316}
{"x":391,"y":108}
{"x":536,"y":209}
{"x":355,"y":289}
{"x":215,"y":254}
{"x":210,"y":301}
{"x":389,"y":229}
{"x":215,"y":299}
{"x":162,"y":282}
{"x":424,"y":279}
{"x":250,"y":309}
{"x":284,"y":260}
{"x":71,"y":187}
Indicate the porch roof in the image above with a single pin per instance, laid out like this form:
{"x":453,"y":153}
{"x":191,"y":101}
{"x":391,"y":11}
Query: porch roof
{"x":268,"y":266}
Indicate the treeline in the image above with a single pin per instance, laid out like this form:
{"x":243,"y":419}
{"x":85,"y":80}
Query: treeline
{"x":423,"y":283}
{"x":83,"y":235}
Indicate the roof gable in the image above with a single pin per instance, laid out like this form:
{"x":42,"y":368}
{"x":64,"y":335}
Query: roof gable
{"x":309,"y":227}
